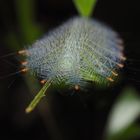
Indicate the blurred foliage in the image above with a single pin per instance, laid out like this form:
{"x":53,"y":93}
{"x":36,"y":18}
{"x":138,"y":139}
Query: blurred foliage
{"x":26,"y":19}
{"x":121,"y":122}
{"x":28,"y":28}
{"x":85,"y":7}
{"x":29,"y":32}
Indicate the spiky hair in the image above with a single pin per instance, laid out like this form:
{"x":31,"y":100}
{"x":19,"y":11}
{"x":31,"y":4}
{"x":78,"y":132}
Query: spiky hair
{"x":78,"y":51}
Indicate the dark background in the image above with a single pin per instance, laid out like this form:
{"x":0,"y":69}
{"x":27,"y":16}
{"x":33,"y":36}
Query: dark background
{"x":82,"y":116}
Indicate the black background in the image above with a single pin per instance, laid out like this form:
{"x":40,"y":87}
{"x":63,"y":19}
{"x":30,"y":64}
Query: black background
{"x":68,"y":117}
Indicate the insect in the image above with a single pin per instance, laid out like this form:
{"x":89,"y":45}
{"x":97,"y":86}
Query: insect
{"x":80,"y":51}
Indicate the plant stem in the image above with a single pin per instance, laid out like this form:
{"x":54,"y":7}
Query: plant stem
{"x":38,"y":97}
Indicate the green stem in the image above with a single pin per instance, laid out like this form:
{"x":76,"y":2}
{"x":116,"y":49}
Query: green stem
{"x":38,"y":97}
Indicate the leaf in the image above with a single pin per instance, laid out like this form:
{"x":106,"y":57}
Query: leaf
{"x":25,"y":10}
{"x":38,"y":97}
{"x":85,"y":7}
{"x":130,"y":133}
{"x":125,"y":111}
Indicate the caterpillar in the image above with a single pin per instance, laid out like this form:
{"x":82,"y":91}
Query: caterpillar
{"x":81,"y":51}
